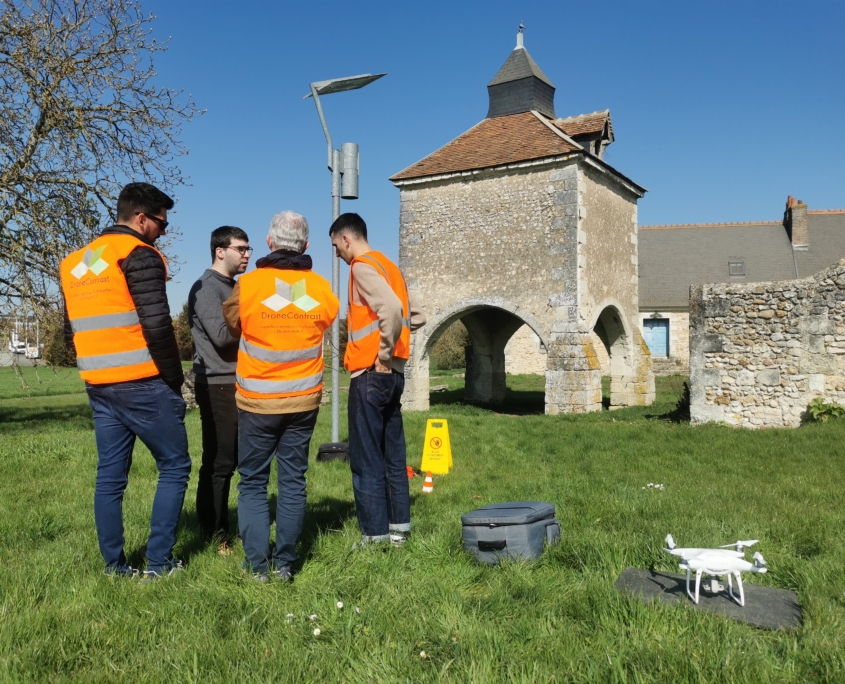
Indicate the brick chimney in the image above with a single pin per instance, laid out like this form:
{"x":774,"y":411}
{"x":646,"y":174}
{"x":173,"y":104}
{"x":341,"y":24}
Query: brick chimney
{"x":796,"y":224}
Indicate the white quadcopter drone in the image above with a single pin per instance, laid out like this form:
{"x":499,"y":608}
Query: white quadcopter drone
{"x":721,"y":562}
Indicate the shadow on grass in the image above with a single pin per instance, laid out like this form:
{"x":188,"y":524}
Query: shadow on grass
{"x":516,"y":403}
{"x":680,"y":412}
{"x":79,"y":413}
{"x":322,"y":515}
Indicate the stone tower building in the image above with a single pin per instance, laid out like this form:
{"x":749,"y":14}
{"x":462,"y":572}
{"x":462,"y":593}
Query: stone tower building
{"x":519,"y":221}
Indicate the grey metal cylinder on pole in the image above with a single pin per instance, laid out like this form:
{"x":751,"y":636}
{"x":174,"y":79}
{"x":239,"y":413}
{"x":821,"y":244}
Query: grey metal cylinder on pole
{"x":349,"y":157}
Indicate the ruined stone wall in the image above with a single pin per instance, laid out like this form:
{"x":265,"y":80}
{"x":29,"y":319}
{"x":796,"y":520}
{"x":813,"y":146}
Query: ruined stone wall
{"x":760,"y":352}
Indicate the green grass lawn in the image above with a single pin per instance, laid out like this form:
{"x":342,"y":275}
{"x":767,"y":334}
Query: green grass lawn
{"x":556,"y":619}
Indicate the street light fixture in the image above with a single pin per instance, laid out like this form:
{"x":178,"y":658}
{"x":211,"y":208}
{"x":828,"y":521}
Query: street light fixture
{"x":344,"y":167}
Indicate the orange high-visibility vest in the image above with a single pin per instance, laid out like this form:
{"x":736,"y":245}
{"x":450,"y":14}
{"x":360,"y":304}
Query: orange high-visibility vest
{"x":284,"y":314}
{"x":364,"y":337}
{"x":110,"y":346}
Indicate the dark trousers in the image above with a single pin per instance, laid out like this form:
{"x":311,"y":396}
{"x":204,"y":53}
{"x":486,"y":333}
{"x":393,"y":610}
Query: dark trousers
{"x":151,"y":411}
{"x":219,"y":415}
{"x":260,"y":437}
{"x":377,"y":453}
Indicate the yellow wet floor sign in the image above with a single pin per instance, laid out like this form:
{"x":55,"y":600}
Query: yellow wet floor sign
{"x":437,"y":450}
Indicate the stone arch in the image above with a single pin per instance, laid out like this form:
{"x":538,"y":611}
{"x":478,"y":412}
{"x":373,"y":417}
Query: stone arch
{"x":623,"y":345}
{"x":490,"y":321}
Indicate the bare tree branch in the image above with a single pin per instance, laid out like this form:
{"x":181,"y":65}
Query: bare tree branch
{"x":80,"y":116}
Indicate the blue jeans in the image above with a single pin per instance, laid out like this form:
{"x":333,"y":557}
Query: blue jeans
{"x":150,"y":410}
{"x":377,"y":453}
{"x":260,"y":437}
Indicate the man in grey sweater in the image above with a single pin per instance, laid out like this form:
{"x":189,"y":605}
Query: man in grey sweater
{"x":215,"y":360}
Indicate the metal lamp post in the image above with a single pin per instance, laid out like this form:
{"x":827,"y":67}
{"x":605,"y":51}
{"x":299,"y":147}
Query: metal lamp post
{"x":343,"y":165}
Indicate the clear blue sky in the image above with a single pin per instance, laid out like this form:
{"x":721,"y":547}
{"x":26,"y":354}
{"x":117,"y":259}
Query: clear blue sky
{"x":720,"y":109}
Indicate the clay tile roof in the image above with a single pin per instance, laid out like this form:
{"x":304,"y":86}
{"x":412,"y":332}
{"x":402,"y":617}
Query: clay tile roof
{"x":584,"y":123}
{"x":493,"y":142}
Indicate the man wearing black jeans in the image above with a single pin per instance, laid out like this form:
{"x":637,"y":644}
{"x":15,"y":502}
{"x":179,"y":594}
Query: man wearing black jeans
{"x":215,"y":359}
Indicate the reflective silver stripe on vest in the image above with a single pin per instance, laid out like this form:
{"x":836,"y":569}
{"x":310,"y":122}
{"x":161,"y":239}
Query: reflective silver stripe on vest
{"x":103,"y":361}
{"x":272,"y":356}
{"x":104,"y":321}
{"x":280,"y":386}
{"x":361,"y":333}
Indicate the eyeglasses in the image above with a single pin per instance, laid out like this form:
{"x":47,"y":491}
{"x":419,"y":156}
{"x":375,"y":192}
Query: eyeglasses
{"x":242,"y":250}
{"x":162,"y":224}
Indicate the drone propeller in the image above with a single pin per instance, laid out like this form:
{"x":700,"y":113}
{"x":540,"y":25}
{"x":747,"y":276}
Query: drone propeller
{"x":670,"y":541}
{"x":759,"y":561}
{"x":741,"y":544}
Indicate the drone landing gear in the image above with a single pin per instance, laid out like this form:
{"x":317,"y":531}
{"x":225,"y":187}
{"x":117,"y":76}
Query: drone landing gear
{"x":715,"y":586}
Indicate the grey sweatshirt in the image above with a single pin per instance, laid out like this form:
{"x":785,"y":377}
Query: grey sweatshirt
{"x":216,"y":355}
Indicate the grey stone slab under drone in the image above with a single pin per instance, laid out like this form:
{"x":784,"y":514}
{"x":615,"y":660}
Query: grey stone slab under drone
{"x":765,"y":607}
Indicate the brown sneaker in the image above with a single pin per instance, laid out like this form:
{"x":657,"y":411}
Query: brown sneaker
{"x":224,"y":549}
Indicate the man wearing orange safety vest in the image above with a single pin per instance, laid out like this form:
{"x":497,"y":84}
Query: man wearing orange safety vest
{"x":118,"y":319}
{"x":280,"y":312}
{"x":382,"y":314}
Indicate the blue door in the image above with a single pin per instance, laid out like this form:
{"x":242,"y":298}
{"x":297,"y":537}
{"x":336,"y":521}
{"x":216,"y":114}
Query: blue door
{"x":656,"y":334}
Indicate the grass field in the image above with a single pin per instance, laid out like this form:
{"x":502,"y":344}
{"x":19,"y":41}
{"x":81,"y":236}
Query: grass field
{"x":556,"y":619}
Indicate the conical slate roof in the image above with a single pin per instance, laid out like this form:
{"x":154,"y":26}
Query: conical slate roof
{"x":519,"y":65}
{"x":520,"y":86}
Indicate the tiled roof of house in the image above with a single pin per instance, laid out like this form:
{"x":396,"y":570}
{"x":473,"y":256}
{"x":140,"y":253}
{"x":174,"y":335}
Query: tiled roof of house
{"x":493,"y":142}
{"x":584,"y":123}
{"x":673,"y":257}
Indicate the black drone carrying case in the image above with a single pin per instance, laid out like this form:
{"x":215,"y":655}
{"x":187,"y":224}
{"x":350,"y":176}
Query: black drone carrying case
{"x":515,"y":530}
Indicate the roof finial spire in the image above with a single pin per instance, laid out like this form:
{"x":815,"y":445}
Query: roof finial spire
{"x":519,"y":36}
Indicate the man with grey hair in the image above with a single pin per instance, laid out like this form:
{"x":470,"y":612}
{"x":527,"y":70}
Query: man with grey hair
{"x":280,"y":312}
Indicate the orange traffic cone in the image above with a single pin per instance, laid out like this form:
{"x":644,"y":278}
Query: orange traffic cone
{"x":428,"y":485}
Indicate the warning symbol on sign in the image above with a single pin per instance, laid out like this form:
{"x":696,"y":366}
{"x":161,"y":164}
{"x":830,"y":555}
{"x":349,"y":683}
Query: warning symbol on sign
{"x":437,"y":452}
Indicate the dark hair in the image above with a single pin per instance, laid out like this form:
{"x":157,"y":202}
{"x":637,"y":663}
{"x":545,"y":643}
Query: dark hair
{"x":223,"y":236}
{"x":141,"y":198}
{"x":349,"y":223}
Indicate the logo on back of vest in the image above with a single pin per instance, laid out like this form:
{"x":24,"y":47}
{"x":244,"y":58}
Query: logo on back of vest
{"x":290,"y":294}
{"x":91,"y":261}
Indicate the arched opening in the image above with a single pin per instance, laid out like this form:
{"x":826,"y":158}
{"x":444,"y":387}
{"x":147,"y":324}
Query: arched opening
{"x":489,"y":328}
{"x":611,"y":330}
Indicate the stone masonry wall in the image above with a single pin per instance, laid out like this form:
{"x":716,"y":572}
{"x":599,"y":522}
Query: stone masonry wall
{"x":510,"y":224}
{"x":760,"y":352}
{"x":504,"y":238}
{"x":548,"y":243}
{"x":608,"y":275}
{"x":524,"y":355}
{"x":608,"y":261}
